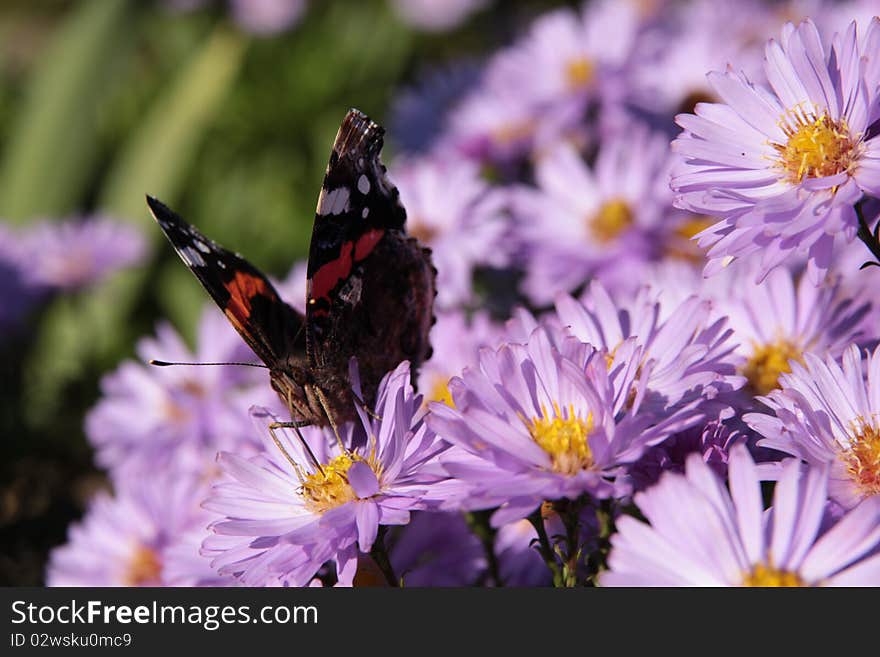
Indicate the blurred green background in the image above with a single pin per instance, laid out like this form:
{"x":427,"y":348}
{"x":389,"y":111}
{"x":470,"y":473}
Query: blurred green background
{"x":102,"y":101}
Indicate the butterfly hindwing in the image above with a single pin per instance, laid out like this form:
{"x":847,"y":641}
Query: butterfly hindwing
{"x":273,"y":329}
{"x":370,"y":287}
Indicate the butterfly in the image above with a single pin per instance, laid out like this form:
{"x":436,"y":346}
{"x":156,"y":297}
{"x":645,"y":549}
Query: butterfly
{"x":370,"y":290}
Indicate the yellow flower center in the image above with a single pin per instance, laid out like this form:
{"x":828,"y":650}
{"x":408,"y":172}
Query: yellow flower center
{"x":564,"y":438}
{"x":863,"y":457}
{"x":767,"y":362}
{"x":144,"y":568}
{"x":440,"y":391}
{"x":682,"y":246}
{"x":613,"y":218}
{"x":764,"y":575}
{"x":329,"y":487}
{"x":817,"y":146}
{"x":579,"y":73}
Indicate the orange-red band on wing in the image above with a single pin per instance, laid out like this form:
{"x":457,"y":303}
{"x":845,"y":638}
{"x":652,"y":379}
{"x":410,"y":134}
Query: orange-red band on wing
{"x":242,"y":290}
{"x":329,"y":275}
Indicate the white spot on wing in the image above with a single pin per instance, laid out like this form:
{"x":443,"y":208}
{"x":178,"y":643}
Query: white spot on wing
{"x":334,"y":201}
{"x":363,"y":184}
{"x":192,"y":257}
{"x":365,"y":212}
{"x":201,"y":246}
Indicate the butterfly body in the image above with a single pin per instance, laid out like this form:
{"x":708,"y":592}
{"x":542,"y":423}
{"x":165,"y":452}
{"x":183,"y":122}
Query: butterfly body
{"x":370,"y":287}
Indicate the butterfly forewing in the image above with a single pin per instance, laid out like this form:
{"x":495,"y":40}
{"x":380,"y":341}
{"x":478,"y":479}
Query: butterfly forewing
{"x":273,"y":329}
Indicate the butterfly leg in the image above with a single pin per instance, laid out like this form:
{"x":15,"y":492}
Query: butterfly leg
{"x":363,"y":405}
{"x":325,"y":406}
{"x":295,"y":425}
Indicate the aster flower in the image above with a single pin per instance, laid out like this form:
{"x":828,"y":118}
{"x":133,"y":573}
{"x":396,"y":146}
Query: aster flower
{"x":436,"y":15}
{"x":292,"y":508}
{"x":462,"y":229}
{"x":712,"y":441}
{"x":260,"y":17}
{"x":537,"y":90}
{"x":777,"y":322}
{"x":539,"y":422}
{"x":419,"y":114}
{"x":585,"y":221}
{"x":702,"y":535}
{"x":687,"y":347}
{"x":456,"y":342}
{"x":829,"y":415}
{"x":438,"y":549}
{"x":124,"y":538}
{"x":568,"y":56}
{"x":73,"y":254}
{"x":673,"y":56}
{"x":150,"y":417}
{"x":783,"y":168}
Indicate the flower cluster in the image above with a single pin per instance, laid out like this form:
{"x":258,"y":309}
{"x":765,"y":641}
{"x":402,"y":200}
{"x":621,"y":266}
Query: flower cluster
{"x":611,"y":398}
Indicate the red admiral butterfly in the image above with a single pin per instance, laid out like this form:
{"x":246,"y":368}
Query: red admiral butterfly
{"x":370,"y":287}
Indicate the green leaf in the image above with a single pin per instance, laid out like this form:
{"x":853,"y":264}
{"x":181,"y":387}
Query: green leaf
{"x":53,"y":147}
{"x":157,"y":156}
{"x":89,"y":331}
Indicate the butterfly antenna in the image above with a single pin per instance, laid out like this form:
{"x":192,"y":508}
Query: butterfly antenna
{"x":165,"y":363}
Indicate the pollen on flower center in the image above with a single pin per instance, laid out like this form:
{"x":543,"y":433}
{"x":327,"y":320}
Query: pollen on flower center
{"x":564,"y":438}
{"x":440,"y":391}
{"x":613,"y":217}
{"x":579,"y":72}
{"x":144,"y":568}
{"x":682,"y":246}
{"x":816,"y":146}
{"x":764,"y":575}
{"x":863,"y":457}
{"x":767,"y":362}
{"x":329,"y":487}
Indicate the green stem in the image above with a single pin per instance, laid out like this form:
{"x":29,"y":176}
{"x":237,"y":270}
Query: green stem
{"x":380,"y":556}
{"x":569,"y":511}
{"x":605,"y":521}
{"x":478,"y":522}
{"x":544,"y":547}
{"x":864,"y":233}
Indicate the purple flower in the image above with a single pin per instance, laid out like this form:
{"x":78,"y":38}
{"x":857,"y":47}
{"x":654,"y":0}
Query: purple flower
{"x":73,"y":254}
{"x":778,"y":321}
{"x":124,"y":538}
{"x":541,"y":422}
{"x":267,"y":17}
{"x":830,"y":416}
{"x":291,"y":508}
{"x":438,"y":549}
{"x":537,"y":89}
{"x":688,"y":348}
{"x":419,"y":114}
{"x":712,"y":441}
{"x":783,"y":168}
{"x":673,"y":56}
{"x":702,"y":535}
{"x":150,"y":417}
{"x":583,"y":221}
{"x":456,"y":343}
{"x":436,"y":15}
{"x":463,"y":228}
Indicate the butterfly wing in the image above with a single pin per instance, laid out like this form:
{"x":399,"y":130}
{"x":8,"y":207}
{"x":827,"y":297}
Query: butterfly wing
{"x":370,"y":286}
{"x":273,"y":329}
